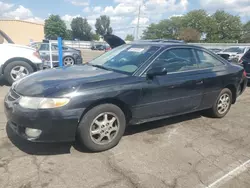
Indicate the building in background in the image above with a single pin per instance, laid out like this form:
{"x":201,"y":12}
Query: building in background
{"x":23,"y":32}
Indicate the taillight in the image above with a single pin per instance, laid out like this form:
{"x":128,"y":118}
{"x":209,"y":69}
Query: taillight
{"x":36,"y":53}
{"x":245,"y":73}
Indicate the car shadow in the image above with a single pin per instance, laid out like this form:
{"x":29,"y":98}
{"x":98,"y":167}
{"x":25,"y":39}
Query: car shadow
{"x":3,"y":82}
{"x":164,"y":123}
{"x":64,"y":148}
{"x":37,"y":148}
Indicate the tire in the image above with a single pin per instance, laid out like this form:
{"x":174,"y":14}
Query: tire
{"x":214,"y":111}
{"x":68,"y":58}
{"x":86,"y":125}
{"x":14,"y":64}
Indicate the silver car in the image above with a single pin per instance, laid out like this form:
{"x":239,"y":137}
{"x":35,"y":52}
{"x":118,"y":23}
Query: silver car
{"x":71,"y":56}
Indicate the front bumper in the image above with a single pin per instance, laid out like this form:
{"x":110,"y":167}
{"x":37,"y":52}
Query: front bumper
{"x":57,"y":125}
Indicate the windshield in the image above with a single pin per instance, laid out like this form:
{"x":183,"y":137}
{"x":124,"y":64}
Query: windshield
{"x":235,"y":49}
{"x":125,"y":58}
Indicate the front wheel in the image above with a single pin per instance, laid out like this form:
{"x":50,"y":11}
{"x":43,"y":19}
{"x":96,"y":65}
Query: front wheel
{"x":222,"y":105}
{"x":102,"y":127}
{"x":16,"y":70}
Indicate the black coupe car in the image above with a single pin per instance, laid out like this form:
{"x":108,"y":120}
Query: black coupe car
{"x":131,"y":84}
{"x":245,"y":62}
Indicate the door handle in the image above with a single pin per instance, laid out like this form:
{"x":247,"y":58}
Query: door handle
{"x":199,"y":82}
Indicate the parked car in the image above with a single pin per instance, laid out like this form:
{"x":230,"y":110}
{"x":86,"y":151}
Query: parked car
{"x":131,"y":84}
{"x":215,"y":50}
{"x":245,"y":62}
{"x":234,"y":52}
{"x":17,"y":61}
{"x":71,"y":56}
{"x":101,"y":47}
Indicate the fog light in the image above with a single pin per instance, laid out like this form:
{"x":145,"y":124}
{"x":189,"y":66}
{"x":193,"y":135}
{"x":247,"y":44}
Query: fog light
{"x":33,"y":133}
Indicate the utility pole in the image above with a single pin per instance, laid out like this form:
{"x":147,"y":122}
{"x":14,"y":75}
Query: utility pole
{"x":138,"y":23}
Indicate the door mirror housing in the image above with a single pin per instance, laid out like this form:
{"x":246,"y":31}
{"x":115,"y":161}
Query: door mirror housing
{"x":156,"y":71}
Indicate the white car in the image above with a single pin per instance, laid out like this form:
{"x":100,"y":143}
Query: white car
{"x":235,"y":52}
{"x":17,"y":61}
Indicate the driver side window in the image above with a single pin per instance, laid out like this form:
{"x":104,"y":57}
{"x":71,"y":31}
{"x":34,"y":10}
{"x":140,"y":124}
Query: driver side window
{"x":176,"y":60}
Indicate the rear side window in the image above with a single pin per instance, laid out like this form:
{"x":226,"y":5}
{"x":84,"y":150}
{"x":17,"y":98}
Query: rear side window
{"x":44,"y":47}
{"x":207,"y":60}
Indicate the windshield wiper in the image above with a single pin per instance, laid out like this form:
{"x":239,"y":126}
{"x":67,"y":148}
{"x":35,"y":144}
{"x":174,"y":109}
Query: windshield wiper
{"x":101,"y":67}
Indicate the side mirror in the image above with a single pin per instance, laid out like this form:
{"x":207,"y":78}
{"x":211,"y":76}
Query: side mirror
{"x":157,"y":71}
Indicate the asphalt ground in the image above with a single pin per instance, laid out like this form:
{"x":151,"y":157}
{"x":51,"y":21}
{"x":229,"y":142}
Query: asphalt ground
{"x":188,"y":151}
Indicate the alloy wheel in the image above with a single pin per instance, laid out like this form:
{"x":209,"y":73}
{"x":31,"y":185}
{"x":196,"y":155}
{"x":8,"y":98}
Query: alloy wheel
{"x":68,"y":61}
{"x":223,"y":103}
{"x":18,"y":72}
{"x":104,"y":128}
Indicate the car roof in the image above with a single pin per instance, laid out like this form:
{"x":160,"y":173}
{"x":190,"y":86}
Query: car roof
{"x":166,"y":44}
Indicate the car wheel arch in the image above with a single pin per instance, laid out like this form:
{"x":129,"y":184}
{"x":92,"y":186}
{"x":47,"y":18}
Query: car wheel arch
{"x":68,"y":56}
{"x":233,"y":89}
{"x":18,"y":59}
{"x":122,"y":105}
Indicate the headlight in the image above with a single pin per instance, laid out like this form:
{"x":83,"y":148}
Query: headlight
{"x":42,"y":103}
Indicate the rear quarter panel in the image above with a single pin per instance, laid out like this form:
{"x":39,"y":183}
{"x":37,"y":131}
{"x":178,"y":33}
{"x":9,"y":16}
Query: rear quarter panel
{"x":218,"y":79}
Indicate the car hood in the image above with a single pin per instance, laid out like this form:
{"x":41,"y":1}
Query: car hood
{"x":229,"y":53}
{"x":19,"y":46}
{"x":113,"y":40}
{"x":61,"y":81}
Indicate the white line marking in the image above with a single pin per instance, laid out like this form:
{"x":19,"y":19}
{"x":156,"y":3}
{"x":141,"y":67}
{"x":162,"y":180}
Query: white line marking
{"x":230,"y":175}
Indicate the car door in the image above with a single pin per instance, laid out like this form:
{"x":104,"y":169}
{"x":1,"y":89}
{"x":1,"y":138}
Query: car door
{"x":179,"y":91}
{"x":44,"y":52}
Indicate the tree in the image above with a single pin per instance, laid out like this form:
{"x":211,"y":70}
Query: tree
{"x":95,"y":37}
{"x":102,"y":25}
{"x":81,"y":29}
{"x":190,"y":35}
{"x":228,"y":28}
{"x":54,"y":27}
{"x":68,"y":35}
{"x":168,"y":29}
{"x":129,"y":38}
{"x":198,"y":20}
{"x":246,"y":33}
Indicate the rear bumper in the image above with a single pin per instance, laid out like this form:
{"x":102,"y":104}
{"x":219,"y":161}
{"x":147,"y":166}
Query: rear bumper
{"x":242,"y":86}
{"x":248,"y":76}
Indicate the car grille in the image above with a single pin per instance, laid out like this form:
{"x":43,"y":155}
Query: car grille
{"x":12,"y":96}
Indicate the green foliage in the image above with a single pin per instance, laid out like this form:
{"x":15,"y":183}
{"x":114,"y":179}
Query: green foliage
{"x":102,"y":25}
{"x":129,"y":38}
{"x":54,"y":27}
{"x":81,"y":29}
{"x":226,"y":27}
{"x":246,"y":33}
{"x":69,"y":35}
{"x":219,"y":27}
{"x":95,"y":37}
{"x":190,"y":35}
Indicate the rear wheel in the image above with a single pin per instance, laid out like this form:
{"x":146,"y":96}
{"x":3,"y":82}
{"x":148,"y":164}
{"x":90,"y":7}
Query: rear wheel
{"x":16,"y":70}
{"x":102,"y":127}
{"x":67,"y":61}
{"x":222,"y":105}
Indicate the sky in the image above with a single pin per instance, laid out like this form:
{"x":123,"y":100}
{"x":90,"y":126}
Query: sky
{"x":123,"y":13}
